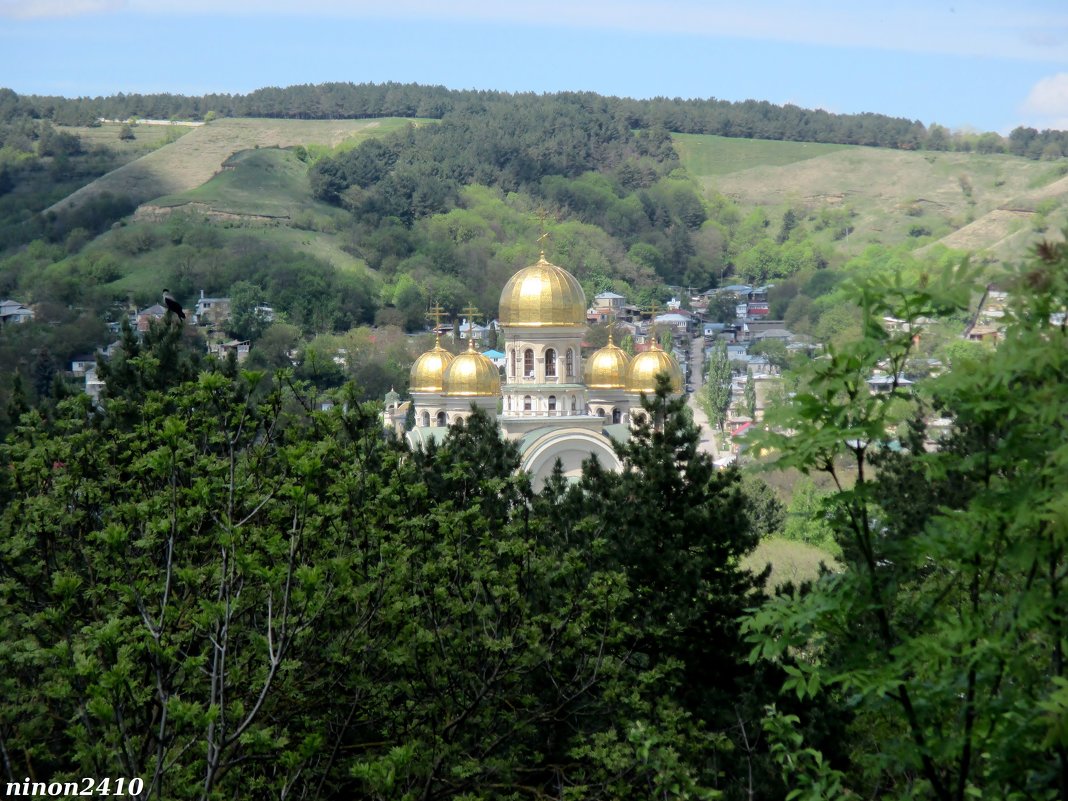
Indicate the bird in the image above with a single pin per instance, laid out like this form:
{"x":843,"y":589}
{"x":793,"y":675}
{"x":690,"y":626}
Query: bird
{"x":172,"y":304}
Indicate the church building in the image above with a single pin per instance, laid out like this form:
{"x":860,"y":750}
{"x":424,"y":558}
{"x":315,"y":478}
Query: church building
{"x":556,"y":404}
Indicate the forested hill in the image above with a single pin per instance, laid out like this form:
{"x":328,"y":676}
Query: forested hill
{"x":745,"y":119}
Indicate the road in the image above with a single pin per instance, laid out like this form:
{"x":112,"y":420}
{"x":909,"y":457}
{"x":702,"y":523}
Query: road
{"x":697,"y":378}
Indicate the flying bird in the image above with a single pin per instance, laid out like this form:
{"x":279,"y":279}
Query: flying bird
{"x":172,"y":304}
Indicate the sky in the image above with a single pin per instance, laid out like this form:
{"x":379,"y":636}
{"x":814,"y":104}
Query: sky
{"x":969,"y":65}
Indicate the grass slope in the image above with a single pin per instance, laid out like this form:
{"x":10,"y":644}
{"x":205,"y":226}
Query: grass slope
{"x":200,"y":154}
{"x":994,"y":205}
{"x":706,"y":155}
{"x":790,"y":561}
{"x":266,"y":182}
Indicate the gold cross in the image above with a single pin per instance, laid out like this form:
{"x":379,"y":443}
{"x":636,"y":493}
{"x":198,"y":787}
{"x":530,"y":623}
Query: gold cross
{"x":543,"y":215}
{"x":471,"y":313}
{"x":435,"y":314}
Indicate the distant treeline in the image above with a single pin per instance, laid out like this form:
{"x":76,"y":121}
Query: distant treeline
{"x":746,"y":119}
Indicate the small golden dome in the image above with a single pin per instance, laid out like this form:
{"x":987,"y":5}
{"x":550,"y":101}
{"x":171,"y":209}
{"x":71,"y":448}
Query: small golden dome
{"x":543,"y":295}
{"x":472,"y":374}
{"x":428,"y":371}
{"x":607,"y":367}
{"x":645,"y":367}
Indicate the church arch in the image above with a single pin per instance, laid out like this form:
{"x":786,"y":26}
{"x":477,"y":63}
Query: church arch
{"x":528,"y":363}
{"x":617,"y":416}
{"x":552,"y":403}
{"x":442,"y":419}
{"x":550,"y":363}
{"x":600,"y":411}
{"x":512,"y":356}
{"x":526,"y":403}
{"x":569,"y":363}
{"x":426,"y":419}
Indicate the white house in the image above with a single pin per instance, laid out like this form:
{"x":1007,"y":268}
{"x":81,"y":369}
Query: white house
{"x":11,"y":311}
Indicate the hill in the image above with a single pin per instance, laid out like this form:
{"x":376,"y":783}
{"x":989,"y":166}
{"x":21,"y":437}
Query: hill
{"x":993,"y":205}
{"x":193,"y":159}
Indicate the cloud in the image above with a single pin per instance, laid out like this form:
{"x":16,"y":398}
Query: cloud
{"x":33,"y":9}
{"x":1047,"y":102}
{"x":1049,"y":96}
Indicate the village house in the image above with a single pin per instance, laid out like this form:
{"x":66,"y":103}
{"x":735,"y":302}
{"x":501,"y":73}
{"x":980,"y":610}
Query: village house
{"x":214,"y":312}
{"x":222,"y":350}
{"x":13,"y":312}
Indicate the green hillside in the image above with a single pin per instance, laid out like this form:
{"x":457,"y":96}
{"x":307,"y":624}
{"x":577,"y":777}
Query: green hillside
{"x":994,"y":205}
{"x":706,"y":155}
{"x":201,"y":153}
{"x":267,"y":182}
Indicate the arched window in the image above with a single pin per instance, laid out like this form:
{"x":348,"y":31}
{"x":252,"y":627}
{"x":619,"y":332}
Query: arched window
{"x":600,"y":412}
{"x":426,"y":419}
{"x":550,"y":363}
{"x":441,"y":419}
{"x":552,"y":403}
{"x":526,"y":403}
{"x":569,"y":366}
{"x":574,"y":405}
{"x":508,"y":401}
{"x":512,"y":352}
{"x":617,"y":416}
{"x":528,"y":363}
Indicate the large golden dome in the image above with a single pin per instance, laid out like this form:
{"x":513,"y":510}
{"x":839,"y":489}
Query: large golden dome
{"x":472,"y":374}
{"x":428,"y":371}
{"x":607,"y":367}
{"x":543,"y":295}
{"x":645,"y":367}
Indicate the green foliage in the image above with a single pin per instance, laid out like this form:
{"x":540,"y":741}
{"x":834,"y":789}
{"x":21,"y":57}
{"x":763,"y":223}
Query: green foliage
{"x":749,"y":395}
{"x":715,"y":395}
{"x":210,"y":585}
{"x":808,"y":517}
{"x":944,"y":634}
{"x":688,"y":587}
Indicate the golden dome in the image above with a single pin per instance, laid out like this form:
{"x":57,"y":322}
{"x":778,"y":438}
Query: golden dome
{"x":607,"y":367}
{"x":543,"y":295}
{"x":472,"y":374}
{"x":429,"y":369}
{"x":645,"y":367}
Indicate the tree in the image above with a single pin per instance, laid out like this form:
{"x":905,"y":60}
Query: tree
{"x":126,"y":133}
{"x":212,"y":586}
{"x":688,"y":587}
{"x":248,"y":320}
{"x":945,"y":631}
{"x":716,"y":393}
{"x":749,"y":395}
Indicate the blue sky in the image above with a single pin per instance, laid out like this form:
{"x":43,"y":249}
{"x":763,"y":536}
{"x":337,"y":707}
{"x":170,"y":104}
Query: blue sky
{"x":980,"y":65}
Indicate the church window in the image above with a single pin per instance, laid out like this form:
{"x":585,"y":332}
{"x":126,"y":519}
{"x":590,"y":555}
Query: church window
{"x":528,"y":363}
{"x":569,"y":366}
{"x":617,"y":416}
{"x":550,"y":363}
{"x":426,"y":419}
{"x":526,"y":403}
{"x":574,"y":405}
{"x":512,"y":352}
{"x":441,"y":419}
{"x":552,"y":403}
{"x":600,"y":412}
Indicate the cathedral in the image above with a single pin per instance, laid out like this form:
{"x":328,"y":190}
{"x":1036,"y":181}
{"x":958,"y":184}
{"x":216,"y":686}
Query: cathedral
{"x":557,"y":405}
